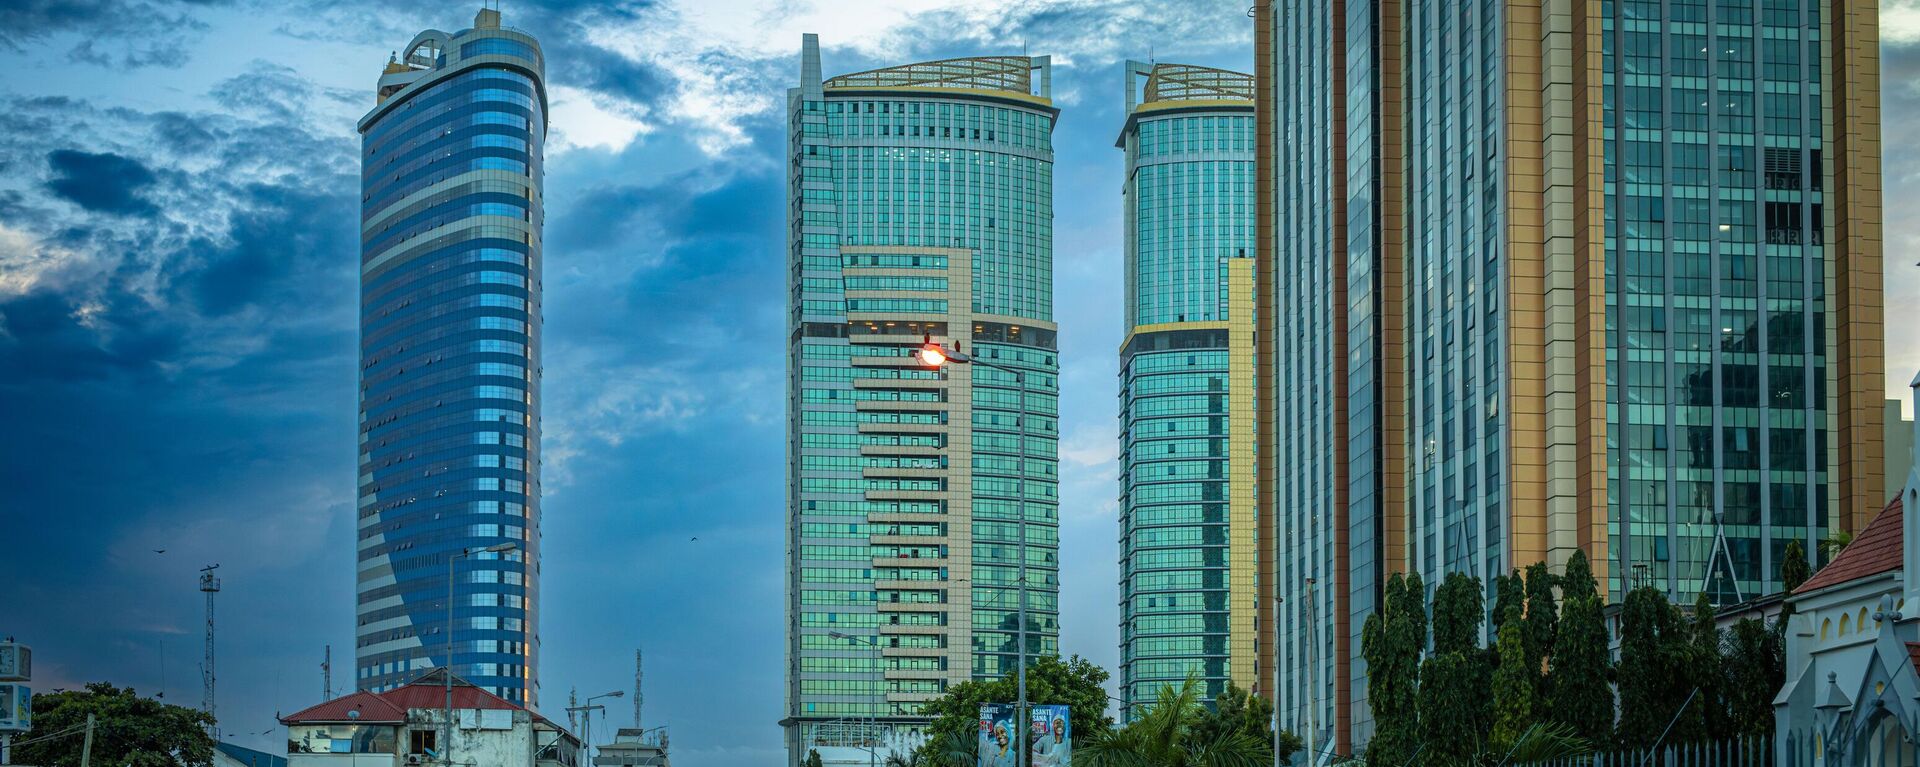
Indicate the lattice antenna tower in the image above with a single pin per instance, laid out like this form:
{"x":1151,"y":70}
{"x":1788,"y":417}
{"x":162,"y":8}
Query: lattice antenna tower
{"x":639,"y":695}
{"x":210,"y":586}
{"x":326,"y":674}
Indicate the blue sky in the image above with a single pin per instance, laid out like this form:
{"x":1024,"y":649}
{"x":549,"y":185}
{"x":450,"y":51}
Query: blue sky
{"x":177,"y":337}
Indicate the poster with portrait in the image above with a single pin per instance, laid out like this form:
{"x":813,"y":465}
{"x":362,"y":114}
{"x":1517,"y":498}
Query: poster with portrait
{"x":996,"y":736}
{"x":1052,"y":736}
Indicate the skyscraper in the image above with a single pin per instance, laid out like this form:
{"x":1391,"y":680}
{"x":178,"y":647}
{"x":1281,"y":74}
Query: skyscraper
{"x":1598,"y":277}
{"x":920,"y":206}
{"x":450,"y":362}
{"x":1187,"y":515}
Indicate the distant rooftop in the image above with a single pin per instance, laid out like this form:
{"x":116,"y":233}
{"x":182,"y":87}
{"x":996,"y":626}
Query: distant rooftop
{"x":1010,"y":74}
{"x":1187,"y":82}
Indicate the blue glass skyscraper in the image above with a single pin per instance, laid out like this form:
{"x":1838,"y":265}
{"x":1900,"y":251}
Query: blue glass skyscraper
{"x":450,"y":362}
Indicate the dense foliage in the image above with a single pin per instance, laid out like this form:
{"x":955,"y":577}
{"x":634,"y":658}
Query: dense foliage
{"x":128,"y":730}
{"x":1075,"y":682}
{"x":1178,"y":730}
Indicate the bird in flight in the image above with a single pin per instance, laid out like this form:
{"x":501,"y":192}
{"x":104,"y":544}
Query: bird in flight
{"x":695,"y":538}
{"x":159,"y":551}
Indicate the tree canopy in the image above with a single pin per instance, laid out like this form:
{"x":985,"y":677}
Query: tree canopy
{"x":1075,"y":683}
{"x":128,"y":730}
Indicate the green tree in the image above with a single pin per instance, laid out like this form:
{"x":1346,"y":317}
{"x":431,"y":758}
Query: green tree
{"x":813,"y":758}
{"x":1513,"y":682}
{"x":1509,"y":598}
{"x":1708,"y":669}
{"x":1756,"y":669}
{"x":1451,"y":726}
{"x":1168,"y":734}
{"x":1391,"y":642}
{"x":1542,"y":629}
{"x":1458,"y":606}
{"x":1577,"y":582}
{"x":128,"y":730}
{"x":1075,"y":683}
{"x":1657,"y":650}
{"x":1582,"y":696}
{"x":1793,"y":565}
{"x":1237,"y":711}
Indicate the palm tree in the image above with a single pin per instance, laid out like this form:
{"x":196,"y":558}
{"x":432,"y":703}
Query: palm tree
{"x":1163,"y":737}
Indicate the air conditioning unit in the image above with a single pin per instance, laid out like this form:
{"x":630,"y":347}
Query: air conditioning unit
{"x":416,"y":759}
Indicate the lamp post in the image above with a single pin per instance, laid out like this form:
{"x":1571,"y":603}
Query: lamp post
{"x":586,"y":726}
{"x":935,"y":356}
{"x":873,"y":714}
{"x":446,"y":746}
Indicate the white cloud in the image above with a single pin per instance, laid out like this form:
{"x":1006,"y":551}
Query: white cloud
{"x":25,"y":260}
{"x":588,"y":120}
{"x":1899,"y":21}
{"x":732,"y":60}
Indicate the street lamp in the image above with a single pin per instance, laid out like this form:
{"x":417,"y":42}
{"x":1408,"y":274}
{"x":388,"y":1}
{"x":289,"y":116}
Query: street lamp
{"x":586,"y":726}
{"x":936,"y":356}
{"x":873,"y":714}
{"x":446,"y":746}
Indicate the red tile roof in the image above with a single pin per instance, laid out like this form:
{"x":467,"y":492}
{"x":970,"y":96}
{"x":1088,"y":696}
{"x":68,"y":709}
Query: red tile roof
{"x":428,"y":691}
{"x":371,"y":708}
{"x":1874,"y":551}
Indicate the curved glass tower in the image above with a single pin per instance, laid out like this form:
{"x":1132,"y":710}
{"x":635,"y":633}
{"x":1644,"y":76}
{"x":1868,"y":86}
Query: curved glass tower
{"x":450,"y":361}
{"x":920,"y":205}
{"x":1187,"y":524}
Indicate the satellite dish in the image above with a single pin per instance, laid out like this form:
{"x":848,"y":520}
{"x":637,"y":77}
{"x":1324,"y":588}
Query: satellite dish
{"x":354,"y":714}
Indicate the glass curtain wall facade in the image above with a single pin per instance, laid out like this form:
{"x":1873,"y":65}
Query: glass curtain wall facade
{"x":450,"y":362}
{"x":1317,"y":252}
{"x":920,"y":206}
{"x":1187,"y":533}
{"x":1625,"y":291}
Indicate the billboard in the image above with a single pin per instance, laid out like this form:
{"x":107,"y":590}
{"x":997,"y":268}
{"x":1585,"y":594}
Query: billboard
{"x":996,"y":736}
{"x":16,"y":662}
{"x":1050,"y":736}
{"x":16,"y":708}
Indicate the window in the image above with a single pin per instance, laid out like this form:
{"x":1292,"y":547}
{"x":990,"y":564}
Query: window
{"x":421,"y":741}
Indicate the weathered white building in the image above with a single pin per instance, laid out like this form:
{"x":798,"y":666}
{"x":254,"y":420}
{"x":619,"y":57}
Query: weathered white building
{"x":1852,"y":691}
{"x":407,"y":726}
{"x":633,"y":748}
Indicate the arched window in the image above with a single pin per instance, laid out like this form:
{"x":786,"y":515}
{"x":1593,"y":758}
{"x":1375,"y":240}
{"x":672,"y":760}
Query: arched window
{"x":1843,"y":623}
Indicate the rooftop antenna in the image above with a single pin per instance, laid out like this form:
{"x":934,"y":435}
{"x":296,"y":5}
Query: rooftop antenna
{"x":573,"y":702}
{"x":211,"y":586}
{"x":326,"y":675}
{"x":639,"y":697}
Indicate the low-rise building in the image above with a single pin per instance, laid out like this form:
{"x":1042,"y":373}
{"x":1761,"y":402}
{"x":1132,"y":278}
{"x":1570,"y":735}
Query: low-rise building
{"x":633,"y":748}
{"x":1852,"y":692}
{"x":407,"y":725}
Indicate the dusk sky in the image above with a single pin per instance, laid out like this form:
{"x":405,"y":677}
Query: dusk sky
{"x":178,"y":302}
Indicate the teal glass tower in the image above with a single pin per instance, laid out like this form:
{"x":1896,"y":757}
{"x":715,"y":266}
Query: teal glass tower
{"x":1187,"y":521}
{"x":920,"y":208}
{"x":450,"y":362}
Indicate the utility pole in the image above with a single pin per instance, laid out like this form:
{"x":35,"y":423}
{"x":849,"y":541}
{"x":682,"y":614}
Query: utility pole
{"x":86,"y":747}
{"x":210,"y":586}
{"x":1313,"y":682}
{"x":326,"y":675}
{"x":639,"y":697}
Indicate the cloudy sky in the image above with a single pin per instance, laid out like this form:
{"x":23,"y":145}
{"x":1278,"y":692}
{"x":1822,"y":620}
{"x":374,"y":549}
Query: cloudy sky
{"x":177,"y":338}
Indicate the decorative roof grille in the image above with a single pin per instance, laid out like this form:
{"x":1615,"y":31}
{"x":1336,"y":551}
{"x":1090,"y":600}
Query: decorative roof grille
{"x":1013,"y":74}
{"x":1185,"y":82}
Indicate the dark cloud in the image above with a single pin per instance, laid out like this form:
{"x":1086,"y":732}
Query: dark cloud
{"x":22,"y":21}
{"x":267,"y":90}
{"x":283,"y":236}
{"x":101,"y":182}
{"x":170,"y":53}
